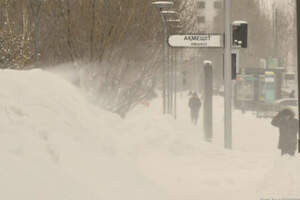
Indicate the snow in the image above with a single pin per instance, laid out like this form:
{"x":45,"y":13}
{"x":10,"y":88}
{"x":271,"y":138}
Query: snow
{"x":55,"y":144}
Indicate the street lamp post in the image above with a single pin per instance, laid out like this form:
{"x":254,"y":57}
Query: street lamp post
{"x":172,"y":72}
{"x":175,"y":29}
{"x":170,"y":61}
{"x":161,"y":5}
{"x":170,"y":58}
{"x":178,"y":27}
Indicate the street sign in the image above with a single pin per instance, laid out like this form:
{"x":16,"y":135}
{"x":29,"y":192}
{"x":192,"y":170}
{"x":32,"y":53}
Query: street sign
{"x":196,"y":41}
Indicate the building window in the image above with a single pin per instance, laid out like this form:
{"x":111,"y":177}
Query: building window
{"x":201,"y":4}
{"x":201,"y":19}
{"x":218,"y":4}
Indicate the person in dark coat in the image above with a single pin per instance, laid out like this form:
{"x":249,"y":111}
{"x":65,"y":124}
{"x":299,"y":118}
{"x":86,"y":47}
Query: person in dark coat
{"x":194,"y":104}
{"x":292,"y":94}
{"x":288,"y":127}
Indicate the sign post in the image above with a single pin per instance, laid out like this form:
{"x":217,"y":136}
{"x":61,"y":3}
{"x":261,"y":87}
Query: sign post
{"x":196,"y":41}
{"x":227,"y":78}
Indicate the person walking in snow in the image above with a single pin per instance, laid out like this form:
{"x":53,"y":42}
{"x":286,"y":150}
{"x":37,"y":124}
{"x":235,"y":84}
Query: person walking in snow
{"x":292,"y":94}
{"x":288,"y":127}
{"x":194,"y":104}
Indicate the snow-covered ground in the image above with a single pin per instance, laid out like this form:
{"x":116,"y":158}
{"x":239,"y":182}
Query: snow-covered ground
{"x":55,"y":144}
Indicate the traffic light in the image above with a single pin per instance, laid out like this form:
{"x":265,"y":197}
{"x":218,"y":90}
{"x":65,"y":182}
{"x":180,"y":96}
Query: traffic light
{"x":235,"y":68}
{"x":239,"y":34}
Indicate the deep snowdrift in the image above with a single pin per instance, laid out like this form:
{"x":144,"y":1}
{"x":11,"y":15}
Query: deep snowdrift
{"x":54,"y":144}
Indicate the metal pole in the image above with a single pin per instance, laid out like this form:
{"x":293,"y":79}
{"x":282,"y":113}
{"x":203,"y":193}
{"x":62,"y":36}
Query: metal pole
{"x":227,"y":78}
{"x":165,"y":53}
{"x":170,"y":61}
{"x":168,"y":80}
{"x":175,"y":85}
{"x":171,"y":79}
{"x":298,"y":61}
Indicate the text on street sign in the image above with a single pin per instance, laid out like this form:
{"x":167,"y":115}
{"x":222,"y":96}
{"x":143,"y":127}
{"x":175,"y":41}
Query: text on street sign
{"x":197,"y":41}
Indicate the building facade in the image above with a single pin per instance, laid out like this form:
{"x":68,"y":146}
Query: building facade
{"x":206,"y":14}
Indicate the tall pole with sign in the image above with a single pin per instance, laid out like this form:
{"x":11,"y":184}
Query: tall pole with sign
{"x":227,"y":78}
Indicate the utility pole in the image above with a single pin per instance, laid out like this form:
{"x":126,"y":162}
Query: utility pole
{"x":227,"y":78}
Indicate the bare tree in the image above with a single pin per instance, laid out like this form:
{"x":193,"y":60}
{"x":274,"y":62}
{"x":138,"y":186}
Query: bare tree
{"x":120,"y":38}
{"x":15,"y":45}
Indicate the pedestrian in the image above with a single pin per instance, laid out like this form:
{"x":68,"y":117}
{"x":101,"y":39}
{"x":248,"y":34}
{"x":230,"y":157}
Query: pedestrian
{"x":288,"y":127}
{"x":194,"y":104}
{"x":292,"y":94}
